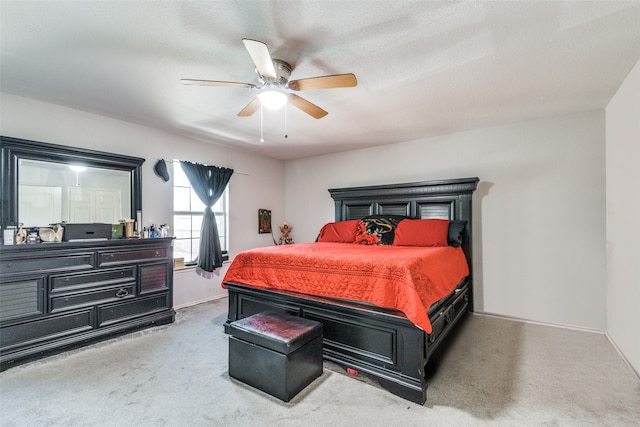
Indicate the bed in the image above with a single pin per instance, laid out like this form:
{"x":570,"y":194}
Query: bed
{"x":388,"y":342}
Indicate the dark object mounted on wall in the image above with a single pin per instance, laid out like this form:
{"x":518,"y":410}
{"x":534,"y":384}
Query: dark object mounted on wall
{"x":264,"y":221}
{"x":160,"y":169}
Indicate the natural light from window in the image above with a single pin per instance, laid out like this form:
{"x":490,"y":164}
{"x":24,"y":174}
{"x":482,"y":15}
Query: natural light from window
{"x":188,"y":212}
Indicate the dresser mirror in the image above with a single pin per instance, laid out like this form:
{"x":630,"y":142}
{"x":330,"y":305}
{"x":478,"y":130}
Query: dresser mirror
{"x":45,"y":184}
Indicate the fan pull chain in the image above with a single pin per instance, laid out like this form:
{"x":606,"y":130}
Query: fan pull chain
{"x":261,"y":124}
{"x":285,"y":121}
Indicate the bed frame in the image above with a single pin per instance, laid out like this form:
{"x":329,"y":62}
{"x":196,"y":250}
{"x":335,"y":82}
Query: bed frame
{"x":380,"y":343}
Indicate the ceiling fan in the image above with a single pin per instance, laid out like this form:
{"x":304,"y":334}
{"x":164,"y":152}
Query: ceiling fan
{"x":274,"y":84}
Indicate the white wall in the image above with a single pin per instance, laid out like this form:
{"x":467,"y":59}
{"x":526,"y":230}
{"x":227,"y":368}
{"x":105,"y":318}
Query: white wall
{"x":540,"y":207}
{"x":623,"y":225}
{"x":258,"y":183}
{"x":539,"y":228}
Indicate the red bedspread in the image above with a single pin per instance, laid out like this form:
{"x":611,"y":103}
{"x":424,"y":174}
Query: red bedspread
{"x":408,"y":279}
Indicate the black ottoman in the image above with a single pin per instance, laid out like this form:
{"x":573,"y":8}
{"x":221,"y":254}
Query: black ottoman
{"x":277,"y":353}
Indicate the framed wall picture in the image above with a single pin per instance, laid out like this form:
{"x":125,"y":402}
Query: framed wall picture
{"x":264,"y":221}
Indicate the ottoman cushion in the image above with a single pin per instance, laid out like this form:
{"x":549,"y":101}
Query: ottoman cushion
{"x":275,"y":352}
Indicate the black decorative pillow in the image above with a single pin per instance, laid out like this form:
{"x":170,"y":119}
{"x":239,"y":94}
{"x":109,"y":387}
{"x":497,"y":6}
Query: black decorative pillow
{"x":456,"y":232}
{"x":377,"y":229}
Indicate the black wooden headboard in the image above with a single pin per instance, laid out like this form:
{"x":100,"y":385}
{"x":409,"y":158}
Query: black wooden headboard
{"x":442,"y":199}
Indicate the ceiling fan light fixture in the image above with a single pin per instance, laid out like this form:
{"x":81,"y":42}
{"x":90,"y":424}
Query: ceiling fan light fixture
{"x":275,"y":90}
{"x":272,"y":99}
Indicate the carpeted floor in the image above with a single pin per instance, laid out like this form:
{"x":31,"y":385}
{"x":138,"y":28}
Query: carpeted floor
{"x":494,"y":372}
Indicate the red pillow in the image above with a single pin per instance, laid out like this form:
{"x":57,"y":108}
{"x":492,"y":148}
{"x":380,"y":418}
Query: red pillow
{"x":339,"y":232}
{"x":422,"y":232}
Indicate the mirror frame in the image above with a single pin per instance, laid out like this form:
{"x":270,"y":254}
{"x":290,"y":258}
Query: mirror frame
{"x":14,"y":149}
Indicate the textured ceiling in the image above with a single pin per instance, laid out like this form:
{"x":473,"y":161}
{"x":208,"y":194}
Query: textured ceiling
{"x":424,"y":68}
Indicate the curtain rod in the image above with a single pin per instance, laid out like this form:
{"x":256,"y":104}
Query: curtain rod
{"x":235,"y":172}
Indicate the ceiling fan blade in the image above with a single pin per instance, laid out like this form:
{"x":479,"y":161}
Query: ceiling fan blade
{"x":324,"y":82}
{"x":306,"y":106}
{"x":261,"y":58}
{"x":251,"y":108}
{"x":215,"y":83}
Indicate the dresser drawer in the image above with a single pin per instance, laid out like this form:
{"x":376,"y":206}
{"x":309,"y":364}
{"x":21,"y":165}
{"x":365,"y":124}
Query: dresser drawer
{"x":68,"y":282}
{"x":138,"y":307}
{"x":444,"y":320}
{"x":53,"y":327}
{"x":106,"y":258}
{"x":47,"y":263}
{"x":92,"y":297}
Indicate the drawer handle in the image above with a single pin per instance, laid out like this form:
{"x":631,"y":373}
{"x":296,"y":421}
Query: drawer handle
{"x":122,"y":293}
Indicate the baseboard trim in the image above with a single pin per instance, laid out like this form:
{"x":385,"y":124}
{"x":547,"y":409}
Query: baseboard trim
{"x":575,"y":328}
{"x":613,"y":343}
{"x":192,"y":303}
{"x":536,"y":322}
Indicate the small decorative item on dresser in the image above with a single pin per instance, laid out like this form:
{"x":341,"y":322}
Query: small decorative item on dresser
{"x":9,"y":235}
{"x":33,"y":236}
{"x":53,"y":234}
{"x":285,"y":229}
{"x":21,"y":235}
{"x":128,"y":227}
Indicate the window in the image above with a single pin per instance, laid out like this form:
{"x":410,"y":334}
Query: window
{"x":188,"y":212}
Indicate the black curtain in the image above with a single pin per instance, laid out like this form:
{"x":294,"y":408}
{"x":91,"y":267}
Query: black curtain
{"x":209,"y":183}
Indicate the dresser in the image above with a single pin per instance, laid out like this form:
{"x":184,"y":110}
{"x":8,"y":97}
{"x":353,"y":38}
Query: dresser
{"x":59,"y":295}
